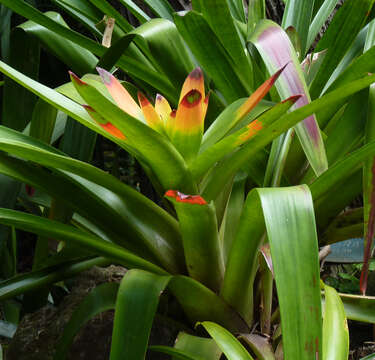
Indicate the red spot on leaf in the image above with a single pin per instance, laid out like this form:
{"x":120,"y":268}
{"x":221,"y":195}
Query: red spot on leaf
{"x":30,"y":190}
{"x":180,"y":197}
{"x":191,"y":99}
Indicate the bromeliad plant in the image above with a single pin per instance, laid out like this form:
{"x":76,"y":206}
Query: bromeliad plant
{"x":207,"y":245}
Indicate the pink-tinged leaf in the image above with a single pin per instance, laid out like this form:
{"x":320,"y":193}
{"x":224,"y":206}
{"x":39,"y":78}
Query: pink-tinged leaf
{"x":152,"y":118}
{"x":257,"y":95}
{"x":107,"y":126}
{"x":121,"y":96}
{"x":194,"y":81}
{"x":186,"y":131}
{"x":162,"y":108}
{"x":276,"y":50}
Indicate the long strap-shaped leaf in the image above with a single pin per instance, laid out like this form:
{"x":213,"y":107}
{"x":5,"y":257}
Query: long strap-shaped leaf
{"x":298,"y":14}
{"x":230,"y":346}
{"x":288,"y":214}
{"x":189,"y":347}
{"x":56,"y":230}
{"x":277,"y":51}
{"x":129,"y":64}
{"x":340,"y":35}
{"x":136,"y":305}
{"x":335,"y":327}
{"x":150,"y":220}
{"x":34,"y":280}
{"x":200,"y":238}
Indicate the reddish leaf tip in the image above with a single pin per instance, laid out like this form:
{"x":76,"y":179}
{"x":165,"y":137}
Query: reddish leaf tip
{"x":192,"y":98}
{"x":143,"y":101}
{"x":76,"y":79}
{"x":293,"y":98}
{"x":196,"y":74}
{"x":207,"y":98}
{"x":190,"y":199}
{"x":105,"y":75}
{"x":173,"y":113}
{"x":88,"y":107}
{"x":276,"y":75}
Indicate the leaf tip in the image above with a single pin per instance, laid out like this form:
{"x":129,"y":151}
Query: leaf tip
{"x":190,"y":199}
{"x":75,"y":79}
{"x":293,"y":98}
{"x":105,"y":75}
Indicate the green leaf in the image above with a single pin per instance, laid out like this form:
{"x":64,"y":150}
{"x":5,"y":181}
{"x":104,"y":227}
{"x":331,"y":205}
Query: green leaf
{"x":359,"y":308}
{"x":256,"y":12}
{"x":189,"y":347}
{"x":17,"y":102}
{"x":76,"y":57}
{"x":222,"y":23}
{"x":213,"y":57}
{"x":161,"y":8}
{"x":83,"y":17}
{"x":134,"y":66}
{"x":54,"y":229}
{"x":228,"y":144}
{"x":288,"y":214}
{"x":167,"y":49}
{"x":298,"y":13}
{"x":339,"y":171}
{"x":210,"y":306}
{"x":135,"y":10}
{"x":230,"y":346}
{"x":21,"y":284}
{"x":136,"y":304}
{"x":202,"y":250}
{"x":320,"y":18}
{"x":100,"y":299}
{"x":340,"y":35}
{"x":111,"y":12}
{"x":143,"y":219}
{"x":335,"y":327}
{"x":43,"y":121}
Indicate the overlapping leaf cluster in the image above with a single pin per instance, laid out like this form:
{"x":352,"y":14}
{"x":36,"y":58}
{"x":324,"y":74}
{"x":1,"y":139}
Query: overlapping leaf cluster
{"x":219,"y":146}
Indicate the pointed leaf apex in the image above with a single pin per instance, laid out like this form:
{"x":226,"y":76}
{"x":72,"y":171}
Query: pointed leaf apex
{"x":196,"y":74}
{"x":143,"y":101}
{"x":293,"y":98}
{"x":105,"y":75}
{"x":173,"y":113}
{"x":74,"y":78}
{"x":276,"y":75}
{"x":180,"y":197}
